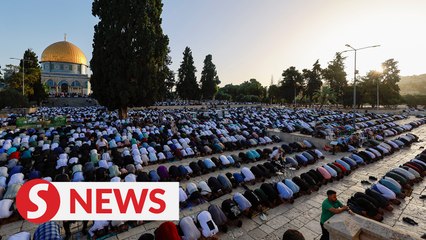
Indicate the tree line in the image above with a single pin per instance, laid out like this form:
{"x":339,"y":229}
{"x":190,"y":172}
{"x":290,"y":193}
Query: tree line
{"x":130,"y":68}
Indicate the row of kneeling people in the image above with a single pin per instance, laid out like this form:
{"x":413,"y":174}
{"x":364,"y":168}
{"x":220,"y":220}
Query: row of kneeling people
{"x":396,"y":184}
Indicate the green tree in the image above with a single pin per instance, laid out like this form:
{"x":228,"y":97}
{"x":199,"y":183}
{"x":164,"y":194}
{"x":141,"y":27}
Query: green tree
{"x":415,"y":100}
{"x":368,"y":88}
{"x":248,"y":91}
{"x":253,"y":88}
{"x":292,"y":84}
{"x":231,"y":90}
{"x":313,"y":80}
{"x":274,"y":93}
{"x":168,"y":85}
{"x":129,"y":53}
{"x":209,"y":79}
{"x":390,"y":89}
{"x":12,"y":98}
{"x":32,"y":81}
{"x":221,"y":95}
{"x":187,"y":86}
{"x":335,"y":76}
{"x":325,"y":95}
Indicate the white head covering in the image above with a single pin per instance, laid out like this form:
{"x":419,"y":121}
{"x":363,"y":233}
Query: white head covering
{"x":116,"y":179}
{"x":73,"y":160}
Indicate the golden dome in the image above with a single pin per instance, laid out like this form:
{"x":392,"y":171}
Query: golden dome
{"x":63,"y":52}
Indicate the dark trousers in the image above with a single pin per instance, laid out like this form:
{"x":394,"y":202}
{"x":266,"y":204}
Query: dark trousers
{"x":325,"y":234}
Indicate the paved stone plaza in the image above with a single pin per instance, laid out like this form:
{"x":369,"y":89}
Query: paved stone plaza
{"x":304,"y":214}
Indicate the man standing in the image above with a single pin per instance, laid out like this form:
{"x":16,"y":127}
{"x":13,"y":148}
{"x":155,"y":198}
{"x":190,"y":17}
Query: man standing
{"x":330,"y":206}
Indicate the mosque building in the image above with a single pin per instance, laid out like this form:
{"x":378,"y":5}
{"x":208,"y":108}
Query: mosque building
{"x":64,"y":69}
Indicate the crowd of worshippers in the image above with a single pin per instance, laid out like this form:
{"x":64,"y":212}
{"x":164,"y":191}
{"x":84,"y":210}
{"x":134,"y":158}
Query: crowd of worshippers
{"x":268,"y":195}
{"x":396,"y":184}
{"x":336,"y":124}
{"x":371,"y":135}
{"x":196,"y":102}
{"x":167,"y":230}
{"x":100,"y":147}
{"x":192,"y":118}
{"x":209,"y":222}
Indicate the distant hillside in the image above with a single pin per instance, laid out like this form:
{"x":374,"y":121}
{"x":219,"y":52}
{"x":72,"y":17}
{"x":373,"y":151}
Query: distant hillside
{"x":415,"y":84}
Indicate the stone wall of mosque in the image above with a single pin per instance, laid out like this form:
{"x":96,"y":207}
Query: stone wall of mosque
{"x":65,"y":68}
{"x":66,"y":83}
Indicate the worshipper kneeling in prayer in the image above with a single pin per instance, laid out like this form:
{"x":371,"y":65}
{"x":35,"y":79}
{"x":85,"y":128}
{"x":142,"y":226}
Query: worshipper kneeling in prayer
{"x":209,"y":165}
{"x":314,"y":185}
{"x":386,"y":192}
{"x":167,"y":230}
{"x":163,"y":173}
{"x":232,"y":212}
{"x":264,"y":200}
{"x":331,"y":171}
{"x":48,"y":230}
{"x":183,"y":197}
{"x":317,"y":177}
{"x":258,"y":173}
{"x":174,"y":173}
{"x":208,"y":226}
{"x":219,"y":217}
{"x":393,"y":185}
{"x":304,"y":186}
{"x":99,"y":229}
{"x":364,"y":207}
{"x":285,"y":193}
{"x":196,"y":170}
{"x":248,"y":175}
{"x":205,"y":191}
{"x":243,"y":204}
{"x":217,"y":162}
{"x":233,"y":181}
{"x":216,"y":187}
{"x":255,"y":201}
{"x":272,"y":194}
{"x":382,"y":201}
{"x":189,"y":229}
{"x":194,"y":194}
{"x":226,"y":183}
{"x":293,"y":186}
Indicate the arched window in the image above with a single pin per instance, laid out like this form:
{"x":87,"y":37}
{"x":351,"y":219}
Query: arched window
{"x":63,"y":82}
{"x":75,"y":84}
{"x":50,"y":83}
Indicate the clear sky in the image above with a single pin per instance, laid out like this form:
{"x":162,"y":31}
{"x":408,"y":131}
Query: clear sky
{"x":247,"y":38}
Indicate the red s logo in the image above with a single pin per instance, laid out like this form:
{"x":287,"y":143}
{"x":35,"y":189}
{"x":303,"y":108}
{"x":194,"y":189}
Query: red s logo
{"x":38,"y":201}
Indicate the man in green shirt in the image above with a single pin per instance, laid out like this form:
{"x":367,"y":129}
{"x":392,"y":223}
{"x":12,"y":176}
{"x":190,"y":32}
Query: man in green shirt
{"x":330,"y":206}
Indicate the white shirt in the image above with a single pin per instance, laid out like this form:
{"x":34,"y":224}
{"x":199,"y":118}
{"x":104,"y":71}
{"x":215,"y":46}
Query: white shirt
{"x":205,"y":219}
{"x":182,"y":195}
{"x":190,"y":231}
{"x":205,"y":189}
{"x":191,"y":187}
{"x":248,"y":175}
{"x":224,"y":160}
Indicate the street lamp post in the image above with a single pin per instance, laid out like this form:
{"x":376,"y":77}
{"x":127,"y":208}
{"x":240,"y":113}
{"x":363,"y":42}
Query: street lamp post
{"x":378,"y":82}
{"x":23,"y":73}
{"x":294,"y":94}
{"x":355,"y":72}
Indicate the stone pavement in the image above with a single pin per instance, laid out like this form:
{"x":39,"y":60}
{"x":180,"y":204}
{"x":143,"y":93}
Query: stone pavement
{"x":304,"y":214}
